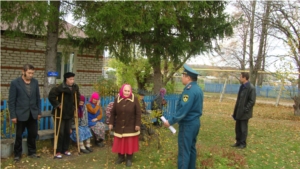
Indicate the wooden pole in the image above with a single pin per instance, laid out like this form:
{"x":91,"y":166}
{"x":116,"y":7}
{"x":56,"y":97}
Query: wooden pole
{"x":76,"y":123}
{"x":223,"y":91}
{"x":280,"y":92}
{"x":56,"y":129}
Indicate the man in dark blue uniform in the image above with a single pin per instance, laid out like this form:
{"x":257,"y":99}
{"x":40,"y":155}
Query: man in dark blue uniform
{"x":188,"y":112}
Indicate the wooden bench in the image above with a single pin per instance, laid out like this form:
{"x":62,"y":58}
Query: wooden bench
{"x":46,"y":126}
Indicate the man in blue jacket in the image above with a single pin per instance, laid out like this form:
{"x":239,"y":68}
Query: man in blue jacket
{"x":188,"y":112}
{"x":25,"y":111}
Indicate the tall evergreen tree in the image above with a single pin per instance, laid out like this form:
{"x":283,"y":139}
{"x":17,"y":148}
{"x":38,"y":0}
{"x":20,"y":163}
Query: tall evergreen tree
{"x":170,"y":31}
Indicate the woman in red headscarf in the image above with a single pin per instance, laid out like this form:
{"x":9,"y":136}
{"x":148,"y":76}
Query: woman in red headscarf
{"x":127,"y":125}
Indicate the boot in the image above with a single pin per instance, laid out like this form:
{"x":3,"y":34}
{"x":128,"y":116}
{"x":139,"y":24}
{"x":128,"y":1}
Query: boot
{"x":99,"y":143}
{"x":121,"y":159}
{"x":129,"y":160}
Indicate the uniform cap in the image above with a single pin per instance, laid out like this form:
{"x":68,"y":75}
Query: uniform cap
{"x":189,"y":71}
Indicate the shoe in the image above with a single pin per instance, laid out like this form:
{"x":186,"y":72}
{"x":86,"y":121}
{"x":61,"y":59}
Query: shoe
{"x":58,"y":155}
{"x":241,"y":146}
{"x":98,"y":141}
{"x":129,"y":161}
{"x":89,"y":149}
{"x":34,"y":156}
{"x":100,"y":144}
{"x":67,"y":153}
{"x":235,"y":145}
{"x":121,"y":159}
{"x":17,"y":159}
{"x":84,"y":151}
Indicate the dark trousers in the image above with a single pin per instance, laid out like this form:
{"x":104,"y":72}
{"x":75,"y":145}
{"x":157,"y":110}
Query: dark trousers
{"x":63,"y":142}
{"x":241,"y":131}
{"x":187,"y":138}
{"x":31,"y":125}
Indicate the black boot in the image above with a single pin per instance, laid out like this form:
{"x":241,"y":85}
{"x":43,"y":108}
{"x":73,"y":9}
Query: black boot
{"x":100,"y":143}
{"x":129,"y":160}
{"x":121,"y":159}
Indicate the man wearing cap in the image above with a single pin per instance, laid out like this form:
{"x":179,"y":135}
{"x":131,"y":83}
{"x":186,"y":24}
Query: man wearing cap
{"x":68,"y":88}
{"x":188,"y":112}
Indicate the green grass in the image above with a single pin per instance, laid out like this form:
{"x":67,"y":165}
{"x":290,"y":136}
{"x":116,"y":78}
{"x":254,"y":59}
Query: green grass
{"x":273,"y":142}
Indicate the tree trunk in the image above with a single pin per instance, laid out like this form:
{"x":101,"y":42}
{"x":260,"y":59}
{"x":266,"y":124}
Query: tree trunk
{"x":296,"y":105}
{"x":262,"y":76}
{"x":157,"y":77}
{"x":298,"y":64}
{"x":244,"y":52}
{"x":263,"y":37}
{"x":141,"y":82}
{"x":297,"y":98}
{"x":252,"y":72}
{"x":52,"y":41}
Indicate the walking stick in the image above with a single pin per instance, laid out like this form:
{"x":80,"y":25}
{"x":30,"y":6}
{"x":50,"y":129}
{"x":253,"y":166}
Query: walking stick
{"x":56,"y":130}
{"x":108,"y":147}
{"x":76,"y":123}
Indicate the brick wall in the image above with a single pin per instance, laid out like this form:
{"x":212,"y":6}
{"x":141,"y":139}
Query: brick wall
{"x":19,"y":51}
{"x":88,"y":70}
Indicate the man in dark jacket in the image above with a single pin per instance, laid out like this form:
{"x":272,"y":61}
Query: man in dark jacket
{"x":24,"y":107}
{"x":243,"y":110}
{"x":68,"y":88}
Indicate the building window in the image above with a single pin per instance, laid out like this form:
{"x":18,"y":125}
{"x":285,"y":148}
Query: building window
{"x":64,"y":64}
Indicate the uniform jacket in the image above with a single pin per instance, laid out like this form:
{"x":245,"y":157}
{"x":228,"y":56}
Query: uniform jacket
{"x":243,"y":109}
{"x":69,"y":99}
{"x":126,"y":114}
{"x":190,"y":104}
{"x":21,"y":103}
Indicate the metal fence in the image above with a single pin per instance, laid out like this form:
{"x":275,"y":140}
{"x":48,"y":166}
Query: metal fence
{"x":263,"y":91}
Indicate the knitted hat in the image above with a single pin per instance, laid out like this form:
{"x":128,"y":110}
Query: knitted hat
{"x":82,"y":98}
{"x":95,"y":96}
{"x":68,"y":75}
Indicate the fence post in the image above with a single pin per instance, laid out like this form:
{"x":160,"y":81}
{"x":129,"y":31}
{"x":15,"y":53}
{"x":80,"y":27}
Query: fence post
{"x":224,"y":88}
{"x":279,"y":94}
